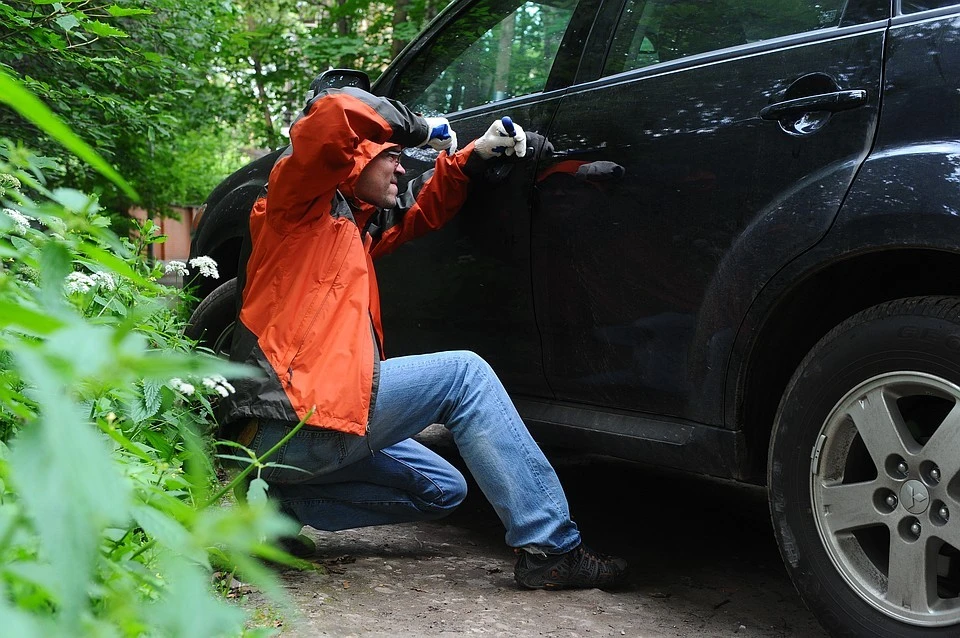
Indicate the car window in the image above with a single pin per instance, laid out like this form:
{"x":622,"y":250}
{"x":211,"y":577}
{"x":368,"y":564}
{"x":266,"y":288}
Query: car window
{"x":652,"y":31}
{"x":909,"y":6}
{"x":496,"y":50}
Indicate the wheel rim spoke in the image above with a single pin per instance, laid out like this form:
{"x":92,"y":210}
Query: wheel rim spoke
{"x":911,"y":575}
{"x":944,"y":445}
{"x":841,"y":506}
{"x":880,"y":425}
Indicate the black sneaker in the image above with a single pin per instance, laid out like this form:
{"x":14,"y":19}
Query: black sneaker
{"x":580,"y":568}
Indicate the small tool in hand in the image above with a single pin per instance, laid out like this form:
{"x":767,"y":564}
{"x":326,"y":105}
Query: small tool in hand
{"x":509,"y":128}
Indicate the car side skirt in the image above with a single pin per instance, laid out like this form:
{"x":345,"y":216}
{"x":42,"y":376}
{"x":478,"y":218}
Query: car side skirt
{"x":677,"y":444}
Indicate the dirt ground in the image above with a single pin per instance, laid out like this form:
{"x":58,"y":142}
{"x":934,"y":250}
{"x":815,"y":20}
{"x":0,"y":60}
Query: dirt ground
{"x":702,"y":555}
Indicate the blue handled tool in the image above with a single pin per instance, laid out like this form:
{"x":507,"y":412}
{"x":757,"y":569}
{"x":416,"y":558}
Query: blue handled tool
{"x":508,"y":127}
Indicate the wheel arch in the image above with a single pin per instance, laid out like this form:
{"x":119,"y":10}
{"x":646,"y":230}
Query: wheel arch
{"x":781,"y":330}
{"x":221,"y":229}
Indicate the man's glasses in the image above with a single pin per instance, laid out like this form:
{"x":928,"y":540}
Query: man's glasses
{"x":395,"y":155}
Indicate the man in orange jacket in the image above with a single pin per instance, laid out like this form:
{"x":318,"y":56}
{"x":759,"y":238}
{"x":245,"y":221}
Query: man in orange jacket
{"x":310,"y":320}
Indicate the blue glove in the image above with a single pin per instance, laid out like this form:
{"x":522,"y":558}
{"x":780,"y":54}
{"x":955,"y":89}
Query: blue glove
{"x":441,"y":136}
{"x":504,"y":137}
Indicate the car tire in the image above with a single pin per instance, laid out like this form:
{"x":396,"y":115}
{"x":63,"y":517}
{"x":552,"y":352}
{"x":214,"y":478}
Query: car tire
{"x":213,"y":320}
{"x":864,"y":472}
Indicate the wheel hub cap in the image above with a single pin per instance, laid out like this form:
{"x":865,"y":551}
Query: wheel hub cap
{"x":914,"y":497}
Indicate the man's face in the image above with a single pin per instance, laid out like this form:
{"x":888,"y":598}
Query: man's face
{"x":377,"y":183}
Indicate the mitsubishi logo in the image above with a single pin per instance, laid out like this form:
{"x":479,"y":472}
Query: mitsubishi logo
{"x":914,"y":497}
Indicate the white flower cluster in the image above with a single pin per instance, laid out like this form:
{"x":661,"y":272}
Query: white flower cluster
{"x":216,"y":383}
{"x":20,"y":221}
{"x":8,"y":182}
{"x":177,"y":267}
{"x":180,"y":385}
{"x":79,"y":282}
{"x":219,"y":384}
{"x":104,"y":280}
{"x":82,"y":282}
{"x":206,"y":265}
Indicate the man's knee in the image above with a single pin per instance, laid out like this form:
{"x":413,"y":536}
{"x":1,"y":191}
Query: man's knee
{"x":473,"y":364}
{"x":451,"y":491}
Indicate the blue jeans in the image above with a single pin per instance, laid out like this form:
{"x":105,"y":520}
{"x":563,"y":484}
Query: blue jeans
{"x":386,"y":477}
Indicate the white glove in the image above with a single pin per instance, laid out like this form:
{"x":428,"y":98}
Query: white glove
{"x":501,"y":140}
{"x":440,"y":136}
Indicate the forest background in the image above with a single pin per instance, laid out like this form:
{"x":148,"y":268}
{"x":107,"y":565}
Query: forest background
{"x":117,"y":517}
{"x":179,"y":93}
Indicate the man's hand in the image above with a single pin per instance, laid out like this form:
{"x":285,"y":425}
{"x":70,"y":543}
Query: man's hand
{"x":441,"y":136}
{"x":499,"y":141}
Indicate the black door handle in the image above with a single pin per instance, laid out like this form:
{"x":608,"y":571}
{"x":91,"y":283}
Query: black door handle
{"x":831,"y":102}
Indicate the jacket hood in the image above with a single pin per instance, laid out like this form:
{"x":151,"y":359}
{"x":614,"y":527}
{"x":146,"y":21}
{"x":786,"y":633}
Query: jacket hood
{"x":366,"y":151}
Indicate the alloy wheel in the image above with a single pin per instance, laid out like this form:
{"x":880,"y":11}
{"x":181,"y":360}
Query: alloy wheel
{"x":885,"y":486}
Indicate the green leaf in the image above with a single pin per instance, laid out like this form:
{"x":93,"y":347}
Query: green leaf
{"x":16,"y":622}
{"x":17,"y":252}
{"x":151,"y":396}
{"x":70,"y":491}
{"x":117,"y":11}
{"x":103,"y":29}
{"x":27,"y":320}
{"x":74,"y":200}
{"x":257,"y":492}
{"x":149,"y":404}
{"x":22,"y":101}
{"x":188,"y":610}
{"x":67,"y":22}
{"x":160,"y":443}
{"x":112,"y":262}
{"x":55,"y":264}
{"x":124,"y":442}
{"x":167,"y":531}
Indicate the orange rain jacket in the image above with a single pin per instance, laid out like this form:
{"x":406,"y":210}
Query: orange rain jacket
{"x":310,"y":310}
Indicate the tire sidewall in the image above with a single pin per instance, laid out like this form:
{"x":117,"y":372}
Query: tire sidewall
{"x":215,"y":313}
{"x":863,"y":347}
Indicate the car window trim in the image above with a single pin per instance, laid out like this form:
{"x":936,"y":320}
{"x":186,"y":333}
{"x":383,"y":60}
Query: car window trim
{"x":597,"y":47}
{"x":744,"y":50}
{"x":921,"y":16}
{"x":583,"y":21}
{"x":512,"y":102}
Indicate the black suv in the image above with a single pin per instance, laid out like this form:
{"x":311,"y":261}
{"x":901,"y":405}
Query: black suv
{"x":738,"y":255}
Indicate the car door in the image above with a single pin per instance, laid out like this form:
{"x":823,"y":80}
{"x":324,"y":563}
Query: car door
{"x":467,"y":286}
{"x":712,"y":142}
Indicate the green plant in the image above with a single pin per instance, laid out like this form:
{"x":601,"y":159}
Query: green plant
{"x":110,"y":516}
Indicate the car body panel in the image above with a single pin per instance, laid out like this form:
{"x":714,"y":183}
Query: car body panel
{"x":467,"y":286}
{"x":638,"y":308}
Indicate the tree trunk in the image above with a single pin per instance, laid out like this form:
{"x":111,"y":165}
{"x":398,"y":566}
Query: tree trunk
{"x":399,"y":17}
{"x":261,"y":89}
{"x":343,"y":30}
{"x":502,"y":75}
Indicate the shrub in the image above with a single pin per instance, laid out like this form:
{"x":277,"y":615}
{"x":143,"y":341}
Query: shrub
{"x":106,"y":433}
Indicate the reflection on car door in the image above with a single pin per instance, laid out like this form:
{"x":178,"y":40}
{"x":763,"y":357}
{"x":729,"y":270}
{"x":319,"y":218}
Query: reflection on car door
{"x":467,"y":286}
{"x":670,"y":200}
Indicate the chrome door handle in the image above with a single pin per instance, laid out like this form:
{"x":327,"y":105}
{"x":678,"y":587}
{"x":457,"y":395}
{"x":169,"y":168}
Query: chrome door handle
{"x":830,"y":102}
